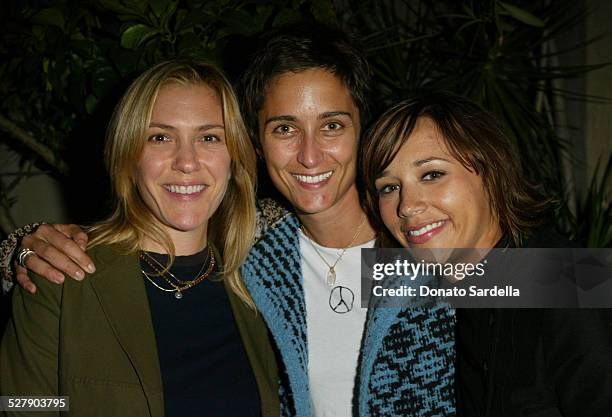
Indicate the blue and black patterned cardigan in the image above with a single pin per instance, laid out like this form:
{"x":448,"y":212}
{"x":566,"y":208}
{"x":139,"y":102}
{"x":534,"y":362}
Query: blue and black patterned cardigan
{"x":406,"y":365}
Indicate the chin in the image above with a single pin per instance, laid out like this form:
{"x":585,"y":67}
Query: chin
{"x":187,"y":225}
{"x":312,"y":208}
{"x":310,"y":205}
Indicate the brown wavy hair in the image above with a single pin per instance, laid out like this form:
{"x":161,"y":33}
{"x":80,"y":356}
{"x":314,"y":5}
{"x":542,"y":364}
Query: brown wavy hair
{"x":476,"y":139}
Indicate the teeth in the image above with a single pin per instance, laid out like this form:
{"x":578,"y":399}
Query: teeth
{"x":425,"y":229}
{"x":184,"y":189}
{"x":313,"y":179}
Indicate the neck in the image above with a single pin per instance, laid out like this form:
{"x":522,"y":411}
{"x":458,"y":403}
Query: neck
{"x":185,"y":243}
{"x":336,"y":226}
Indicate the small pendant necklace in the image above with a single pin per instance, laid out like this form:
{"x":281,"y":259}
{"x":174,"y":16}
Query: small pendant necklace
{"x":177,"y":285}
{"x":331,"y":273}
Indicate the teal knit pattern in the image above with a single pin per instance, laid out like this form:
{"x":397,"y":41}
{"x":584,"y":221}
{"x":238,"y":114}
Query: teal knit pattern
{"x":406,"y":365}
{"x":272,"y":274}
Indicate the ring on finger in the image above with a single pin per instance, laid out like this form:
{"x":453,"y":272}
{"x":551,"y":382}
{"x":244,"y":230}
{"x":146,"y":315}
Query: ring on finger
{"x":23,"y":254}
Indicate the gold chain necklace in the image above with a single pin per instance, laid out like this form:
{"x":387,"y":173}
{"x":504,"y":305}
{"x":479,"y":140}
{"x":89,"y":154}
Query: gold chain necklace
{"x":148,"y":258}
{"x":180,"y":286}
{"x":331,"y":274}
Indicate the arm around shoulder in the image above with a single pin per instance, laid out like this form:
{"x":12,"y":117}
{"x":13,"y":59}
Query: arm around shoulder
{"x":7,"y":251}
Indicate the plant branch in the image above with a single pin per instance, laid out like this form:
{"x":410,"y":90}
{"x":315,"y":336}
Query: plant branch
{"x":40,"y":149}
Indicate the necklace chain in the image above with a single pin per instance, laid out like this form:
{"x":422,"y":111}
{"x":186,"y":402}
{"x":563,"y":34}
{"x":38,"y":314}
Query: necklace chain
{"x":331,"y":274}
{"x":180,"y":285}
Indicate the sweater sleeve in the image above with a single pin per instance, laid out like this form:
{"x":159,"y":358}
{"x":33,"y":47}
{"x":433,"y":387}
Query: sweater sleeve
{"x":7,"y":251}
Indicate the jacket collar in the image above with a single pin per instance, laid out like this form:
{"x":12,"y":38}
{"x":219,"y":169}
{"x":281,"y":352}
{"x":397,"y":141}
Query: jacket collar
{"x":122,"y":295}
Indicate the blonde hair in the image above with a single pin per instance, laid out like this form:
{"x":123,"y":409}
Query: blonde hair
{"x":231,"y":228}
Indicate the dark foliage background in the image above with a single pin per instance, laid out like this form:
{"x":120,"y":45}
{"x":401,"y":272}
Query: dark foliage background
{"x":63,"y":65}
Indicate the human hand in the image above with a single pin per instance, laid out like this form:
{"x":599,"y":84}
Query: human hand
{"x":58,"y":249}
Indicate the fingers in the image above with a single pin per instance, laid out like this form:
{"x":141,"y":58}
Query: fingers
{"x":74,"y":232}
{"x":57,"y":253}
{"x":43,"y":268}
{"x":21,"y":275}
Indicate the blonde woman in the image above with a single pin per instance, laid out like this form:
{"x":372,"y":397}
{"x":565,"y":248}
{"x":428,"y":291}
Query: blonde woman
{"x":157,"y":329}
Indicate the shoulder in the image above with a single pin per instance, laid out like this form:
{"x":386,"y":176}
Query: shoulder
{"x":548,"y":237}
{"x":105,"y":257}
{"x":111,"y":256}
{"x":269,"y":214}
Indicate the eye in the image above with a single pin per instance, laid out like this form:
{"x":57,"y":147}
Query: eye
{"x":387,"y":189}
{"x":283,"y":129}
{"x":333,"y":129}
{"x":211,"y":138}
{"x":433,"y":175}
{"x":158,"y":138}
{"x":333,"y":126}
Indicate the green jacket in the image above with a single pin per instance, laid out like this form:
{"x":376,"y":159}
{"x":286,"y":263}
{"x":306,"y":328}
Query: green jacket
{"x":94,"y":342}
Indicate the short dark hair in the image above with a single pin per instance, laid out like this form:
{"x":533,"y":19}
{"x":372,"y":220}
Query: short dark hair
{"x":299,"y":48}
{"x":476,"y":139}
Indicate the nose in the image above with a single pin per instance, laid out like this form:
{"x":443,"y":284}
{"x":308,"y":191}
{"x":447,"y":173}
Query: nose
{"x":186,"y":158}
{"x":310,"y":153}
{"x":411,"y":203}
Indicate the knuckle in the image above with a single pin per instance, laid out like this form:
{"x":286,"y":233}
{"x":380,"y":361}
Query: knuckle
{"x":21,"y":278}
{"x":43,"y":251}
{"x":42,"y":229}
{"x":66,"y":245}
{"x":27,"y":240}
{"x":62,"y":227}
{"x":74,"y":228}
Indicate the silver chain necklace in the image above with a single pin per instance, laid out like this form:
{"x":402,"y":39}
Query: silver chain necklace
{"x":331,"y":273}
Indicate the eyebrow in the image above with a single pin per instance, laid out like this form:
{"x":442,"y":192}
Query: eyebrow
{"x":329,"y":114}
{"x":415,"y":164}
{"x":420,"y":162}
{"x":322,"y":116}
{"x":199,"y":128}
{"x":284,"y":118}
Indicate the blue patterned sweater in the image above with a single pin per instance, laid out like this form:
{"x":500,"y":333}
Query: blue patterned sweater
{"x":406,"y":365}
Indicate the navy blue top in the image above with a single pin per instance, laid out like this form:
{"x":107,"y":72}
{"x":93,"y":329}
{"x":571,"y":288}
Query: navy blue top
{"x":204,"y":367}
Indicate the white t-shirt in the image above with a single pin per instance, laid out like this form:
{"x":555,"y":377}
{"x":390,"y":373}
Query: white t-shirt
{"x":334,"y":338}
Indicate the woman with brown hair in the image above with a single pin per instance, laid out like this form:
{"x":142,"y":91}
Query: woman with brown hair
{"x":157,"y":329}
{"x":440,"y":173}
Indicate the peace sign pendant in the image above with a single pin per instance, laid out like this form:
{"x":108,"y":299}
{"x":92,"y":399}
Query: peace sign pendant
{"x":341,"y":299}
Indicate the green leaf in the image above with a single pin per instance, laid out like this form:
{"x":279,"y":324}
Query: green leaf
{"x":138,"y":6}
{"x":50,"y":17}
{"x":158,"y":6}
{"x":323,"y":11}
{"x":135,"y":35}
{"x":190,"y":42}
{"x":90,"y":103}
{"x":104,"y":78}
{"x":178,"y":24}
{"x":115,"y":6}
{"x":126,"y":61}
{"x":241,"y":23}
{"x":287,"y":16}
{"x":38,"y":32}
{"x":168,"y":12}
{"x":522,"y":15}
